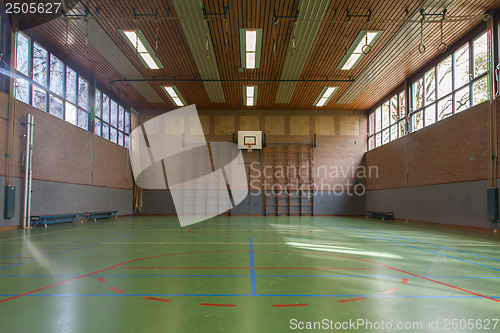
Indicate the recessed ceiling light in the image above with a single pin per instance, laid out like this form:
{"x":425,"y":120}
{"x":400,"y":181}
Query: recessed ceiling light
{"x":138,"y":42}
{"x":174,"y":95}
{"x":325,"y":95}
{"x":359,"y":48}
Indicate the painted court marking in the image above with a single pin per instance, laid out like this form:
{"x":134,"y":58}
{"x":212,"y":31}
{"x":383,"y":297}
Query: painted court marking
{"x":351,"y":300}
{"x":390,"y":291}
{"x":223,"y":305}
{"x":404,"y":280}
{"x":101,"y":279}
{"x":116,"y":289}
{"x":287,"y":305}
{"x":240,"y":251}
{"x":156,"y":299}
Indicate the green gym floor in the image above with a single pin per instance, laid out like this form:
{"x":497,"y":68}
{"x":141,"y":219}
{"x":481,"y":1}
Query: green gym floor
{"x":241,"y":274}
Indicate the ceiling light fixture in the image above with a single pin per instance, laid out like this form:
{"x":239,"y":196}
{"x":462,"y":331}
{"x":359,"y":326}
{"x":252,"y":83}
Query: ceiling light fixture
{"x":249,"y":95}
{"x":174,"y":95}
{"x":359,"y":48}
{"x":250,"y":44}
{"x":138,"y":42}
{"x":325,"y":95}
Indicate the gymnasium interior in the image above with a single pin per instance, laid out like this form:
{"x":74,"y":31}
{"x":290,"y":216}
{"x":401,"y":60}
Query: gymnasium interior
{"x":249,"y":166}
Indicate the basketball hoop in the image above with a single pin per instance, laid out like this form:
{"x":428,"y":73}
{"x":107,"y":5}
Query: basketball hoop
{"x":249,"y":147}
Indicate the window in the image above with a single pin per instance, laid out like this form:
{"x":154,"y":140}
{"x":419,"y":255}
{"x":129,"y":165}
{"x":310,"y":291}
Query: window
{"x":456,"y":83}
{"x":45,"y":82}
{"x":387,"y":122}
{"x":112,"y":121}
{"x":445,"y":89}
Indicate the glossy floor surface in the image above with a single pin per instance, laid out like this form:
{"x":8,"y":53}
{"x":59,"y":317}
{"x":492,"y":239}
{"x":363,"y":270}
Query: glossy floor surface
{"x":241,"y":274}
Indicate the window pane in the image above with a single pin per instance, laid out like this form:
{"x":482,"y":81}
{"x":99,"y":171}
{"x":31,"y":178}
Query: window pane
{"x":402,"y":106}
{"x":444,"y":77}
{"x":98,"y":104}
{"x":417,"y":121}
{"x":127,"y":122}
{"x":21,"y":90}
{"x":121,"y":116}
{"x":385,"y":136}
{"x":385,"y":114}
{"x":480,"y":91}
{"x":97,"y":127}
{"x":417,"y":94}
{"x":462,"y":100}
{"x":71,"y":85}
{"x":480,"y":50}
{"x":113,"y":134}
{"x":402,"y":128}
{"x":371,"y":142}
{"x":394,"y":109}
{"x":56,"y":107}
{"x":39,"y":98}
{"x":105,"y":108}
{"x":430,"y":86}
{"x":127,"y":143}
{"x":105,"y":131}
{"x":56,"y":75}
{"x":371,"y":123}
{"x":378,"y":120}
{"x":378,"y":139}
{"x":430,"y":115}
{"x":120,"y":138}
{"x":40,"y":64}
{"x":22,"y":53}
{"x":70,"y":113}
{"x":394,"y":132}
{"x":114,"y":114}
{"x":462,"y":66}
{"x":83,"y":119}
{"x":445,"y":108}
{"x":83,"y":93}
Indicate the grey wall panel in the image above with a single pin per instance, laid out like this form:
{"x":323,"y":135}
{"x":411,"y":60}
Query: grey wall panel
{"x":61,"y":198}
{"x":455,"y":203}
{"x":52,"y":198}
{"x":326,"y":203}
{"x":338,"y":203}
{"x":16,"y":220}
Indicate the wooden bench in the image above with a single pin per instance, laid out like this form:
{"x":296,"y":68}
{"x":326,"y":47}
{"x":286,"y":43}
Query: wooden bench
{"x":101,"y":215}
{"x":381,"y":215}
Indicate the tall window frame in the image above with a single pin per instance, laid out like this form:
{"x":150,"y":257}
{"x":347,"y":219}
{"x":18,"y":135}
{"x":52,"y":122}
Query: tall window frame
{"x":45,"y":82}
{"x":112,"y":120}
{"x":387,"y":122}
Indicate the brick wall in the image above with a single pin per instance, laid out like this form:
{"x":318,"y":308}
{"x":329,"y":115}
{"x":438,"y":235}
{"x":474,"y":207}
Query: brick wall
{"x":341,"y":136}
{"x":452,"y":150}
{"x":66,"y":153}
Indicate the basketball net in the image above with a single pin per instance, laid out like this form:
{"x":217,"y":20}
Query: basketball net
{"x":249,"y":147}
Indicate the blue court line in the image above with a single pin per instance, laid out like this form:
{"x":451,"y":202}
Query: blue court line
{"x":419,"y":248}
{"x":50,"y":247}
{"x":249,"y":275}
{"x":260,"y":295}
{"x":78,"y":248}
{"x":253,"y":283}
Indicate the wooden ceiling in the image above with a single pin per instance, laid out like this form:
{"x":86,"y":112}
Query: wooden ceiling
{"x":326,"y":53}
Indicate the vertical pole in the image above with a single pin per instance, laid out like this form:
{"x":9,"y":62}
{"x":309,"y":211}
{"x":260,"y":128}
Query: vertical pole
{"x":493,"y":150}
{"x":28,"y":171}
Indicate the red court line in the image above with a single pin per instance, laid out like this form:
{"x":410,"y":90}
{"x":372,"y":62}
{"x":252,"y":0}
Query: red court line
{"x":101,"y":279}
{"x":116,"y":289}
{"x":212,"y":304}
{"x":307,"y":231}
{"x":404,"y":280}
{"x":239,"y":251}
{"x":286,"y":305}
{"x":390,"y":291}
{"x":351,"y":300}
{"x":320,"y":268}
{"x":156,"y":299}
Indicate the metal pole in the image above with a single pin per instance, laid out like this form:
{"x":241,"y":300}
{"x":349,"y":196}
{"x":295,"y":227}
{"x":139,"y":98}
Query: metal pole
{"x":28,"y":171}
